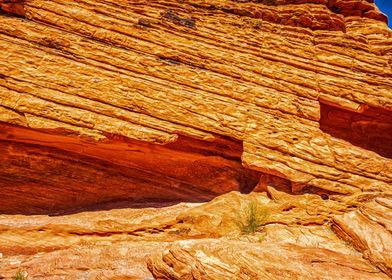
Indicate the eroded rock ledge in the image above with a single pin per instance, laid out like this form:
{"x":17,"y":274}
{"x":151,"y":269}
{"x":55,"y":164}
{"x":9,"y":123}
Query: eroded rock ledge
{"x":56,"y":172}
{"x":201,"y":241}
{"x":263,"y":73}
{"x":143,"y":104}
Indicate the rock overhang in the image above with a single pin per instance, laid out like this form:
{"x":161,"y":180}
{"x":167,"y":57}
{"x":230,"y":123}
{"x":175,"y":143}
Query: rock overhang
{"x":251,"y":71}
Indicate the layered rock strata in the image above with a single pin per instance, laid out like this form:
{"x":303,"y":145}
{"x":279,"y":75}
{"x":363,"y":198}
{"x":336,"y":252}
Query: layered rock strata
{"x":59,"y":173}
{"x":369,"y":229}
{"x":305,"y":86}
{"x":203,"y":241}
{"x":140,"y":105}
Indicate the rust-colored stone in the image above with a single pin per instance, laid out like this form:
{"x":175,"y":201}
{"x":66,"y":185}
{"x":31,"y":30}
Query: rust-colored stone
{"x":119,"y":104}
{"x":15,"y":7}
{"x":58,"y":173}
{"x":92,"y":68}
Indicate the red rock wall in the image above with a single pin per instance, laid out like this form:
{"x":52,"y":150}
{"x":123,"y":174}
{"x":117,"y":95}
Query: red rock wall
{"x":162,"y":71}
{"x":55,"y":174}
{"x":370,"y":129}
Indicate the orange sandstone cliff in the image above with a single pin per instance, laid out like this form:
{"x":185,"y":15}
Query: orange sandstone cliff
{"x":119,"y":120}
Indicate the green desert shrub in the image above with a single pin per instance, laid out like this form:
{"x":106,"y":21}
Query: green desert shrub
{"x":20,"y":276}
{"x":251,"y":218}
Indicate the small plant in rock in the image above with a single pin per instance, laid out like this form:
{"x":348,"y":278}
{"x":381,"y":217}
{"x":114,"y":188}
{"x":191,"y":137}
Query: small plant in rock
{"x":20,"y":276}
{"x":251,"y":218}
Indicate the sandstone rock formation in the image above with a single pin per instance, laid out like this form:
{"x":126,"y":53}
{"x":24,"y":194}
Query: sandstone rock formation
{"x":304,"y":87}
{"x":144,"y":104}
{"x":369,"y":228}
{"x":199,"y":240}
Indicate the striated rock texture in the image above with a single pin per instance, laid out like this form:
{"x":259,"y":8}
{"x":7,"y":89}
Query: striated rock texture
{"x":57,"y":174}
{"x":202,"y":241}
{"x":289,"y":251}
{"x":214,"y":260}
{"x":120,"y":119}
{"x":300,"y":90}
{"x":369,"y":228}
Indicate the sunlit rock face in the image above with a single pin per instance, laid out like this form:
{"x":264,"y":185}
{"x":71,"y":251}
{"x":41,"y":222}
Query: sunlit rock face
{"x":100,"y":93}
{"x":169,"y":104}
{"x":203,"y":241}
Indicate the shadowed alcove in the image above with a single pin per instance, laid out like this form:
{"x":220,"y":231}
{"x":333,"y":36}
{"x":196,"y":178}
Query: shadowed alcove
{"x":370,"y":129}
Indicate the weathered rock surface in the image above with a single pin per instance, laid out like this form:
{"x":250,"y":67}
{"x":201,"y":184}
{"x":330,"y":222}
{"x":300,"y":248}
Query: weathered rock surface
{"x":370,"y":228}
{"x":305,"y":86}
{"x":114,"y":112}
{"x":190,"y":239}
{"x":216,"y":259}
{"x":57,"y":173}
{"x":309,"y":252}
